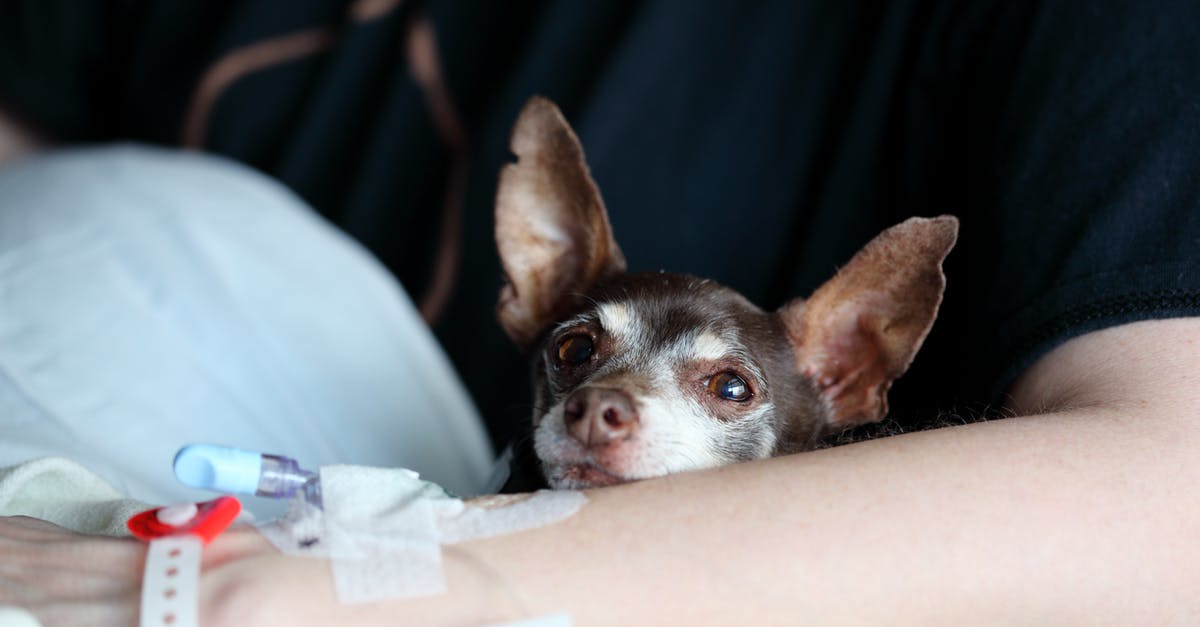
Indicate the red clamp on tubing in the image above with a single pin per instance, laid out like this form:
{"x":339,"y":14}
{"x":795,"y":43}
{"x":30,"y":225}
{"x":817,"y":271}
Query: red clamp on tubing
{"x":212,"y":517}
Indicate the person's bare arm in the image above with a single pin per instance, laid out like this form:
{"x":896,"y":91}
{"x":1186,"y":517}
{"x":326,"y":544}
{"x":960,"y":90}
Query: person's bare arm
{"x":1084,"y":513}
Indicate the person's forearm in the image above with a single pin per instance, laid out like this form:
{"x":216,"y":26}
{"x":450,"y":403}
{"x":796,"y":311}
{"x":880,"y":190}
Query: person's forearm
{"x":1059,"y":519}
{"x":1089,"y":514}
{"x":1084,"y":516}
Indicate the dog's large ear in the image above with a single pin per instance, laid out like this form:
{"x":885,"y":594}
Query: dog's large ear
{"x":551,"y":227}
{"x":861,"y":329}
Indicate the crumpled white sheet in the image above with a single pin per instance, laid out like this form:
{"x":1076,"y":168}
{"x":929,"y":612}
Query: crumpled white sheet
{"x":152,"y":298}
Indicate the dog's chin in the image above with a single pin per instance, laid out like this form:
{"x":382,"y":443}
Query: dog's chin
{"x":581,"y":475}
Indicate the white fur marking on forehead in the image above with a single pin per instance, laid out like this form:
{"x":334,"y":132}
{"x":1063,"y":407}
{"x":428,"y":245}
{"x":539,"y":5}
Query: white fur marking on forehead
{"x":709,"y":345}
{"x":618,"y":319}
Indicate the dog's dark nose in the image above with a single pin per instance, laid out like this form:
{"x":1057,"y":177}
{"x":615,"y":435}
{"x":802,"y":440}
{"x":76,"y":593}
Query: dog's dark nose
{"x":597,"y":416}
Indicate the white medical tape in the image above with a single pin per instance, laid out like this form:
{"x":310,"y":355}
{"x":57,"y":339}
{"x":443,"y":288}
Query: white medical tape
{"x":11,"y":616}
{"x":549,"y":620}
{"x":382,"y":534}
{"x":503,"y":514}
{"x":382,"y":528}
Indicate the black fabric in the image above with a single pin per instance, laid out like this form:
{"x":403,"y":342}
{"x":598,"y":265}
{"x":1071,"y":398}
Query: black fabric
{"x":759,"y":144}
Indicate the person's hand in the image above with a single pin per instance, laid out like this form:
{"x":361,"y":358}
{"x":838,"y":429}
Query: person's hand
{"x":67,"y":578}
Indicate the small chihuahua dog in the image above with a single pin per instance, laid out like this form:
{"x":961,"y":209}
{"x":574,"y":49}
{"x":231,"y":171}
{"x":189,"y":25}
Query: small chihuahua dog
{"x":638,"y":375}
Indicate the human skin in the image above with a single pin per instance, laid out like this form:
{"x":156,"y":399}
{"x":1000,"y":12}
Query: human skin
{"x":1083,"y":510}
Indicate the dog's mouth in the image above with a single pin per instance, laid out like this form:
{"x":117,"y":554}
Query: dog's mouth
{"x":585,"y":475}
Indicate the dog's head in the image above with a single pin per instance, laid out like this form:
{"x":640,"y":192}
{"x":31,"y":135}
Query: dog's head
{"x":638,"y":375}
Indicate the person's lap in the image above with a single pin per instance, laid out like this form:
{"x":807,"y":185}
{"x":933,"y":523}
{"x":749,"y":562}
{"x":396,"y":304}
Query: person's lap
{"x":149,"y":299}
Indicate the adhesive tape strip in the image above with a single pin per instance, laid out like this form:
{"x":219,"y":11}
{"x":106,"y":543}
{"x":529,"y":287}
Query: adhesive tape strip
{"x":484,"y":519}
{"x":17,"y":617}
{"x":383,"y":528}
{"x":549,"y":620}
{"x":384,"y":544}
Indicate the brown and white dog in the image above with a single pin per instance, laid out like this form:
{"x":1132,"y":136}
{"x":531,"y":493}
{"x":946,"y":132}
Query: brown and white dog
{"x":638,"y":375}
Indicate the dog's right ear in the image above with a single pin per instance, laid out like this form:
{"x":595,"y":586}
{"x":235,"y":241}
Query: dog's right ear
{"x":552,"y":230}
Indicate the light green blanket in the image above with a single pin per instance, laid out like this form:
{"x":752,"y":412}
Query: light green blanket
{"x":67,"y":494}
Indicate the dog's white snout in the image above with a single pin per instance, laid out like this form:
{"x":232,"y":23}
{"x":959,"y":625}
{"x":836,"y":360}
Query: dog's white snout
{"x":598,"y":416}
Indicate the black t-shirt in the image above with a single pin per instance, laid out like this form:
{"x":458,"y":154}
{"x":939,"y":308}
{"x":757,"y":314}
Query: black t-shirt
{"x":759,"y":144}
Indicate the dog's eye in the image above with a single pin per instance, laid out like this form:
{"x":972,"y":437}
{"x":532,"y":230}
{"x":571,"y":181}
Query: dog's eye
{"x":575,"y":349}
{"x":729,"y":386}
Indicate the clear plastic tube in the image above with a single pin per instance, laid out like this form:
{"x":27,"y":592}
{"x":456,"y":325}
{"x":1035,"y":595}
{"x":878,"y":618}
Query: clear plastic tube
{"x":283,"y":478}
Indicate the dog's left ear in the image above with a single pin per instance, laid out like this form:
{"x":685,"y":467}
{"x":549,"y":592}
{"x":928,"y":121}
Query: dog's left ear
{"x":861,"y":329}
{"x":551,"y":227}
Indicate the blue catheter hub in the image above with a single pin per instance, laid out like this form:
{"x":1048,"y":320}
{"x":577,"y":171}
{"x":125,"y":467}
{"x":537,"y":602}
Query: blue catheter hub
{"x":218,"y":468}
